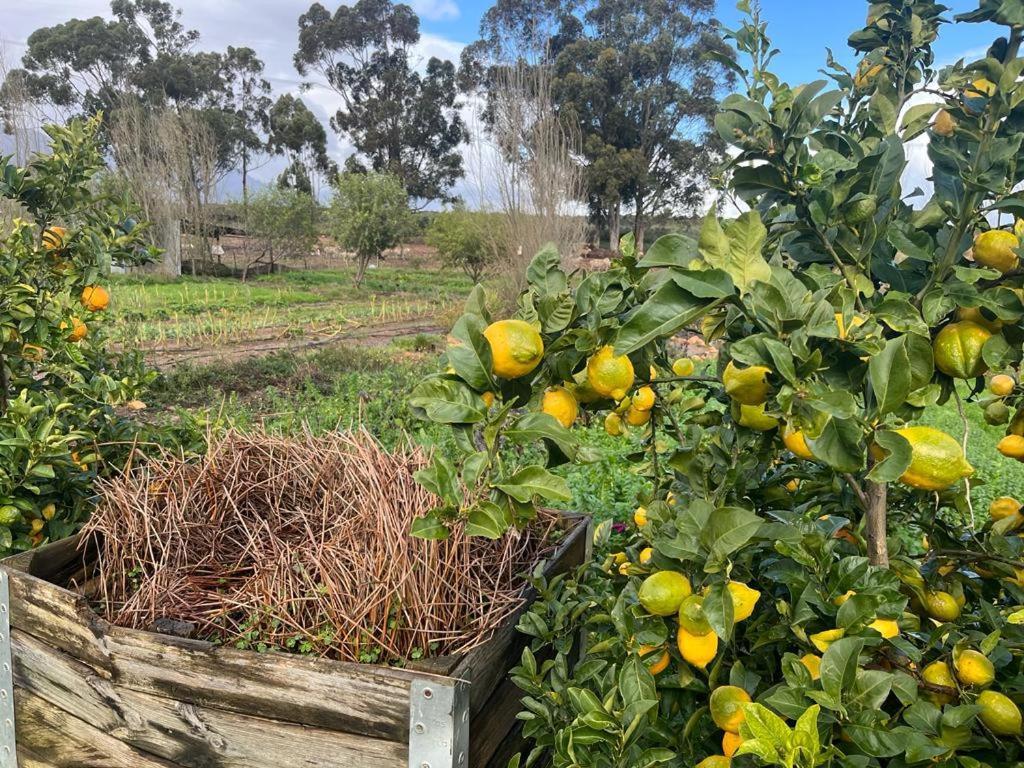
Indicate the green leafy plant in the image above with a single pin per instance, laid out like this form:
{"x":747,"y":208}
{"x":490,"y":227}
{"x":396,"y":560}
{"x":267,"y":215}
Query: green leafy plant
{"x":808,"y":548}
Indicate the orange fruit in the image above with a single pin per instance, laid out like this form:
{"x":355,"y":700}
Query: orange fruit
{"x":730,"y":743}
{"x":654,"y":662}
{"x":95,"y":298}
{"x":1001,"y":385}
{"x":1012,"y":446}
{"x":55,"y":238}
{"x":79,"y":330}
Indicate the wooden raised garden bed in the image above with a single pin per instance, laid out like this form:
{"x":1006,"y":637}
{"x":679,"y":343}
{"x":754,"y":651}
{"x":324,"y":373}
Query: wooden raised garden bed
{"x":88,"y":694}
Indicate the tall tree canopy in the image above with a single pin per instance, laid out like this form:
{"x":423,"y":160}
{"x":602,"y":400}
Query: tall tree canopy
{"x":401,"y":121}
{"x":637,"y":77}
{"x":299,"y":135}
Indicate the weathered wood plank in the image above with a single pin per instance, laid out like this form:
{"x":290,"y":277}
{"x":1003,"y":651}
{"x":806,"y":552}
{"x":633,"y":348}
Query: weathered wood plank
{"x":185,"y":734}
{"x":49,"y":738}
{"x":353,"y":698}
{"x":490,"y":730}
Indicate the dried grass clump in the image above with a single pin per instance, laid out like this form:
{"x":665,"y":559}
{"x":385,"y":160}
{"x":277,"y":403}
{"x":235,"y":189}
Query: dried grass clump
{"x":302,"y":544}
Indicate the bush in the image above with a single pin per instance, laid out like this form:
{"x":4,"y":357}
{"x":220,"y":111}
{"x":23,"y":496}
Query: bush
{"x":462,"y":241}
{"x":282,"y":224}
{"x":59,"y":384}
{"x":369,"y":214}
{"x":809,"y":572}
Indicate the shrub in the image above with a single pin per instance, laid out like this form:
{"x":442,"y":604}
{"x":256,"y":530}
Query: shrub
{"x":282,"y":224}
{"x":815,"y":527}
{"x":59,"y":384}
{"x":462,"y":241}
{"x":369,"y":214}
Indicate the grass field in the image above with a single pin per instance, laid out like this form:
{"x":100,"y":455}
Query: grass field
{"x":160,"y":313}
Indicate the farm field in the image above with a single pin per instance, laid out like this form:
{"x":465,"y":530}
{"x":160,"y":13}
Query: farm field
{"x":197,"y":319}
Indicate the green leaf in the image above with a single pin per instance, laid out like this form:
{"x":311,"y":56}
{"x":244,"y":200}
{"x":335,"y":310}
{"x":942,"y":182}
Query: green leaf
{"x":896,"y":461}
{"x":889,"y":372}
{"x":535,"y":481}
{"x":471,"y":358}
{"x":870,"y":690}
{"x":719,"y":610}
{"x":672,"y":250}
{"x":728,"y":529}
{"x":637,"y":689}
{"x":840,"y":445}
{"x":664,"y":314}
{"x":763,"y":725}
{"x":440,"y":479}
{"x":488,"y":520}
{"x":545,"y":273}
{"x":736,"y":247}
{"x":839,"y":665}
{"x":447,"y":402}
{"x":430,"y":527}
{"x":535,"y":426}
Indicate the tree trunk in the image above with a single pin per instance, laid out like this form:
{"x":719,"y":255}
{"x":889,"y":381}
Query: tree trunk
{"x":875,"y":524}
{"x":639,"y":226}
{"x":614,"y":225}
{"x":361,"y":270}
{"x":3,"y":384}
{"x":245,"y":181}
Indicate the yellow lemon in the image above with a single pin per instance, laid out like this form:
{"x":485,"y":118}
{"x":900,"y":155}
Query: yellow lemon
{"x":645,"y":555}
{"x":754,"y":417}
{"x":957,"y":349}
{"x":488,"y":398}
{"x":980,"y":88}
{"x":610,"y":375}
{"x":640,"y":517}
{"x":844,"y":597}
{"x":613,"y":425}
{"x":813,"y":663}
{"x":996,"y":248}
{"x":55,"y":238}
{"x":516,"y":348}
{"x":974,"y":668}
{"x":715,"y":761}
{"x":793,"y":485}
{"x":1001,"y":385}
{"x":796,"y":442}
{"x":937,"y":460}
{"x":637,"y":418}
{"x":697,"y":650}
{"x":938,"y":673}
{"x":744,"y":599}
{"x":944,"y":124}
{"x":559,"y":403}
{"x":730,"y":743}
{"x":726,"y":705}
{"x":663,"y":592}
{"x":941,"y":606}
{"x":822,"y":640}
{"x":684,"y":366}
{"x":49,"y":511}
{"x":999,"y":713}
{"x":643,"y":400}
{"x":747,"y":386}
{"x":887,"y":628}
{"x":866,"y":72}
{"x":975,"y":315}
{"x":655,"y":663}
{"x":1012,"y":446}
{"x":1003,"y":507}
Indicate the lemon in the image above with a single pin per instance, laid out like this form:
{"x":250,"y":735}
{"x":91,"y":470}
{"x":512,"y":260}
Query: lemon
{"x":855,"y":322}
{"x":663,"y":592}
{"x":957,"y":349}
{"x":691,"y":616}
{"x":697,"y":650}
{"x":640,"y":517}
{"x":974,"y":668}
{"x":840,"y":599}
{"x":1012,"y":446}
{"x":730,"y":743}
{"x":637,"y":418}
{"x":48,"y":511}
{"x":655,"y":663}
{"x":645,"y":555}
{"x":937,"y":460}
{"x":999,"y":713}
{"x":559,"y":402}
{"x":613,"y":425}
{"x":796,"y":441}
{"x":747,"y":386}
{"x":941,"y":606}
{"x":643,"y":400}
{"x":610,"y":375}
{"x":793,"y":485}
{"x":944,"y":124}
{"x":726,"y":705}
{"x":938,"y":673}
{"x":813,"y":663}
{"x":624,"y":569}
{"x":754,"y":417}
{"x":516,"y":348}
{"x":1001,"y":385}
{"x":715,"y":761}
{"x":652,"y":373}
{"x":980,"y":88}
{"x":744,"y":599}
{"x":95,"y":298}
{"x":684,"y":366}
{"x":488,"y":398}
{"x":822,"y":640}
{"x":887,"y":628}
{"x":996,"y":248}
{"x":975,"y":315}
{"x":866,"y":72}
{"x":1003,"y":507}
{"x":620,"y":557}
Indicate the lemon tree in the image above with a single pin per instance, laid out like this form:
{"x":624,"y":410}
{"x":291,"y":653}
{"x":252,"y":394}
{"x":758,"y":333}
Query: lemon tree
{"x":59,"y":385}
{"x":845,"y":602}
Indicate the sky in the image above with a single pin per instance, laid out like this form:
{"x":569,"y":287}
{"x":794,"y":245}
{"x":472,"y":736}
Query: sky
{"x":802,"y":29}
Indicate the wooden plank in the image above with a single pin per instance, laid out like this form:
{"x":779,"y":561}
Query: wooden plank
{"x":59,"y":740}
{"x":352,"y":698}
{"x":490,"y":729}
{"x":185,"y":734}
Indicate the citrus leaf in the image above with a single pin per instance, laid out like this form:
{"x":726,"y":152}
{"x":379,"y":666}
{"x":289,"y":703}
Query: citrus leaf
{"x":897,"y":459}
{"x":471,"y":358}
{"x":672,"y":250}
{"x":535,"y":481}
{"x":663,"y":315}
{"x":890,"y":376}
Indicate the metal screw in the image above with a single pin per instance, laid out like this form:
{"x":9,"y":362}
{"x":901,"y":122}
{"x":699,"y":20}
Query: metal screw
{"x":420,"y":728}
{"x":424,"y":765}
{"x":427,"y":694}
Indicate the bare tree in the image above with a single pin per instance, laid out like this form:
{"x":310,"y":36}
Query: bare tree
{"x":529,"y":167}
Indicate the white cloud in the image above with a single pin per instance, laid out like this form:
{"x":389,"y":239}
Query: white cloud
{"x":436,"y":10}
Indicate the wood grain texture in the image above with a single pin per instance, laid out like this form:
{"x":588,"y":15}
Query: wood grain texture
{"x":185,"y":734}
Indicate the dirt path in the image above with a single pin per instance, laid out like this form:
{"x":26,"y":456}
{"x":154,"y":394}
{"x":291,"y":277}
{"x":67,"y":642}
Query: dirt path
{"x":369,"y":336}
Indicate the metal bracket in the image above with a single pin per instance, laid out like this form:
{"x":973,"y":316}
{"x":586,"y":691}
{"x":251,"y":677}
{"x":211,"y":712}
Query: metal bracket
{"x":8,"y":741}
{"x":438,"y":723}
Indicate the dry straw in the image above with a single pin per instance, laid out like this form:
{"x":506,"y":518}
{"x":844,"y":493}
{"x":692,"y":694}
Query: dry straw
{"x":302,"y":544}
